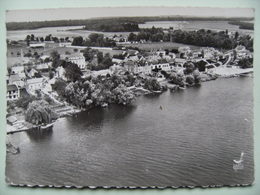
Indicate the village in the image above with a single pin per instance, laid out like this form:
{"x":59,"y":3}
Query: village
{"x":40,"y":64}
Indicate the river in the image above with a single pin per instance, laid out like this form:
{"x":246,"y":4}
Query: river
{"x":191,"y":141}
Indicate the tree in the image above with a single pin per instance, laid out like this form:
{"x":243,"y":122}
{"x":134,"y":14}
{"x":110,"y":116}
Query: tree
{"x":39,"y":112}
{"x":72,"y":71}
{"x":24,"y":101}
{"x":245,"y":63}
{"x":189,"y":67}
{"x":55,"y":56}
{"x":132,"y":37}
{"x":190,"y":79}
{"x":197,"y":77}
{"x":48,"y":37}
{"x":89,"y":53}
{"x":59,"y":86}
{"x":78,"y":41}
{"x":152,"y":84}
{"x":123,"y":95}
{"x":201,"y":65}
{"x":177,"y":79}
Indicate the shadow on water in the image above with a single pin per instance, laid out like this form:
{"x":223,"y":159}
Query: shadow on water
{"x":153,"y":95}
{"x":94,"y":118}
{"x":38,"y":135}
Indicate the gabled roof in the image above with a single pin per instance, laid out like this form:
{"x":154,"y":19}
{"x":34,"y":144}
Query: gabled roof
{"x":35,"y":80}
{"x":14,"y":77}
{"x":12,"y":88}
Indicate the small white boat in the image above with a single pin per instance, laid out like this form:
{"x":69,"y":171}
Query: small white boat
{"x":240,"y":160}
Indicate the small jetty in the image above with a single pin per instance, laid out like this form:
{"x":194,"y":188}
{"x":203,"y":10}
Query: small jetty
{"x":11,"y":129}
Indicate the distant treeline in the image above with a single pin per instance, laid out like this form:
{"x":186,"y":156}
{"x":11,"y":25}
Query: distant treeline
{"x":94,"y":39}
{"x":109,"y":23}
{"x":243,"y":25}
{"x":202,"y":37}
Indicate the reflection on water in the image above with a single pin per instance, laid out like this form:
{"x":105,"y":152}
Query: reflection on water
{"x":189,"y":137}
{"x":39,"y":134}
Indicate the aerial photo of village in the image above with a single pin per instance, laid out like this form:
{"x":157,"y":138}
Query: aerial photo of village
{"x":67,"y":77}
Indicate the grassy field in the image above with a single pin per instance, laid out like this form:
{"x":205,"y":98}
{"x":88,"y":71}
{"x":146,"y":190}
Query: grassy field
{"x":13,"y":58}
{"x":160,"y":45}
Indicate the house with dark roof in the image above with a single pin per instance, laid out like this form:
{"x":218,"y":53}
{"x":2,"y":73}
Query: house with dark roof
{"x":13,"y":92}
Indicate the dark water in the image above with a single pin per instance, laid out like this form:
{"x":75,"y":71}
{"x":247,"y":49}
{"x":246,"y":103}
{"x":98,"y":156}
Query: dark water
{"x":191,"y":141}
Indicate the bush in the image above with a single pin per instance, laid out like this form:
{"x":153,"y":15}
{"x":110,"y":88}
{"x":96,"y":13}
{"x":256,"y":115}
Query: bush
{"x":152,"y":84}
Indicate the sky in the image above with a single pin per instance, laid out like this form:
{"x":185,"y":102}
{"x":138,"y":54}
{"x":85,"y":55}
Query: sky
{"x":85,"y":13}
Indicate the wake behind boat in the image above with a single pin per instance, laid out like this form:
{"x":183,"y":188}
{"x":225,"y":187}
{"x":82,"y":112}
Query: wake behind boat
{"x":238,"y":164}
{"x":240,"y":160}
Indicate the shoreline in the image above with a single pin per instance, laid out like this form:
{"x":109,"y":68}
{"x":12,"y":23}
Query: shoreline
{"x":70,"y":110}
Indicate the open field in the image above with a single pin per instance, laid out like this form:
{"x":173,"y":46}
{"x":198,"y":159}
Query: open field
{"x":160,"y":45}
{"x":13,"y":58}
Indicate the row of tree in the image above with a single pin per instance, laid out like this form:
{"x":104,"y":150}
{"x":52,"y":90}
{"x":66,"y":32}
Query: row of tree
{"x":114,"y":27}
{"x":94,"y":40}
{"x":49,"y":37}
{"x":208,"y":38}
{"x":103,"y":90}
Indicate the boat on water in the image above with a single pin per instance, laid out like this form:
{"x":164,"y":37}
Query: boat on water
{"x":240,"y":160}
{"x":238,"y":164}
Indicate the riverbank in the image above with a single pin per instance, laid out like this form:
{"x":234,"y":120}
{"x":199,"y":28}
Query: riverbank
{"x":230,"y":71}
{"x":70,"y":110}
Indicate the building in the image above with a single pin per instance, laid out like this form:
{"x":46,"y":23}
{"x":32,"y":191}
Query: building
{"x":32,"y":73}
{"x":13,"y":92}
{"x":60,"y":73}
{"x":165,"y":67}
{"x":77,"y":59}
{"x":43,"y":66}
{"x":34,"y":84}
{"x":15,"y":79}
{"x":17,"y":69}
{"x":36,"y":45}
{"x":65,"y":44}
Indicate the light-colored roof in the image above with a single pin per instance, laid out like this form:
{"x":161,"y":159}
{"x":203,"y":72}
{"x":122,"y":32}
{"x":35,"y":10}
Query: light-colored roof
{"x":14,"y":77}
{"x":42,"y":66}
{"x":18,"y":68}
{"x":11,"y":119}
{"x":35,"y":80}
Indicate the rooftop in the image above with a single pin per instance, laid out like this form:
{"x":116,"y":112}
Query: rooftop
{"x":35,"y":80}
{"x":12,"y":88}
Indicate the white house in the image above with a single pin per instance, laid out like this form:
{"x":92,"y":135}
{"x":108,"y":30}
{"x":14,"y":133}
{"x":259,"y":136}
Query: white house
{"x":36,"y":45}
{"x":165,"y":66}
{"x":13,"y":92}
{"x":17,"y":69}
{"x":60,"y":73}
{"x":43,"y":66}
{"x":118,"y":61}
{"x":79,"y":60}
{"x":34,"y":84}
{"x":15,"y":79}
{"x":65,"y":44}
{"x":31,"y":73}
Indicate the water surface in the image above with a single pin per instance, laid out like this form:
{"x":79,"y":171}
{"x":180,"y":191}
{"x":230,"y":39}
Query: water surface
{"x":191,"y":141}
